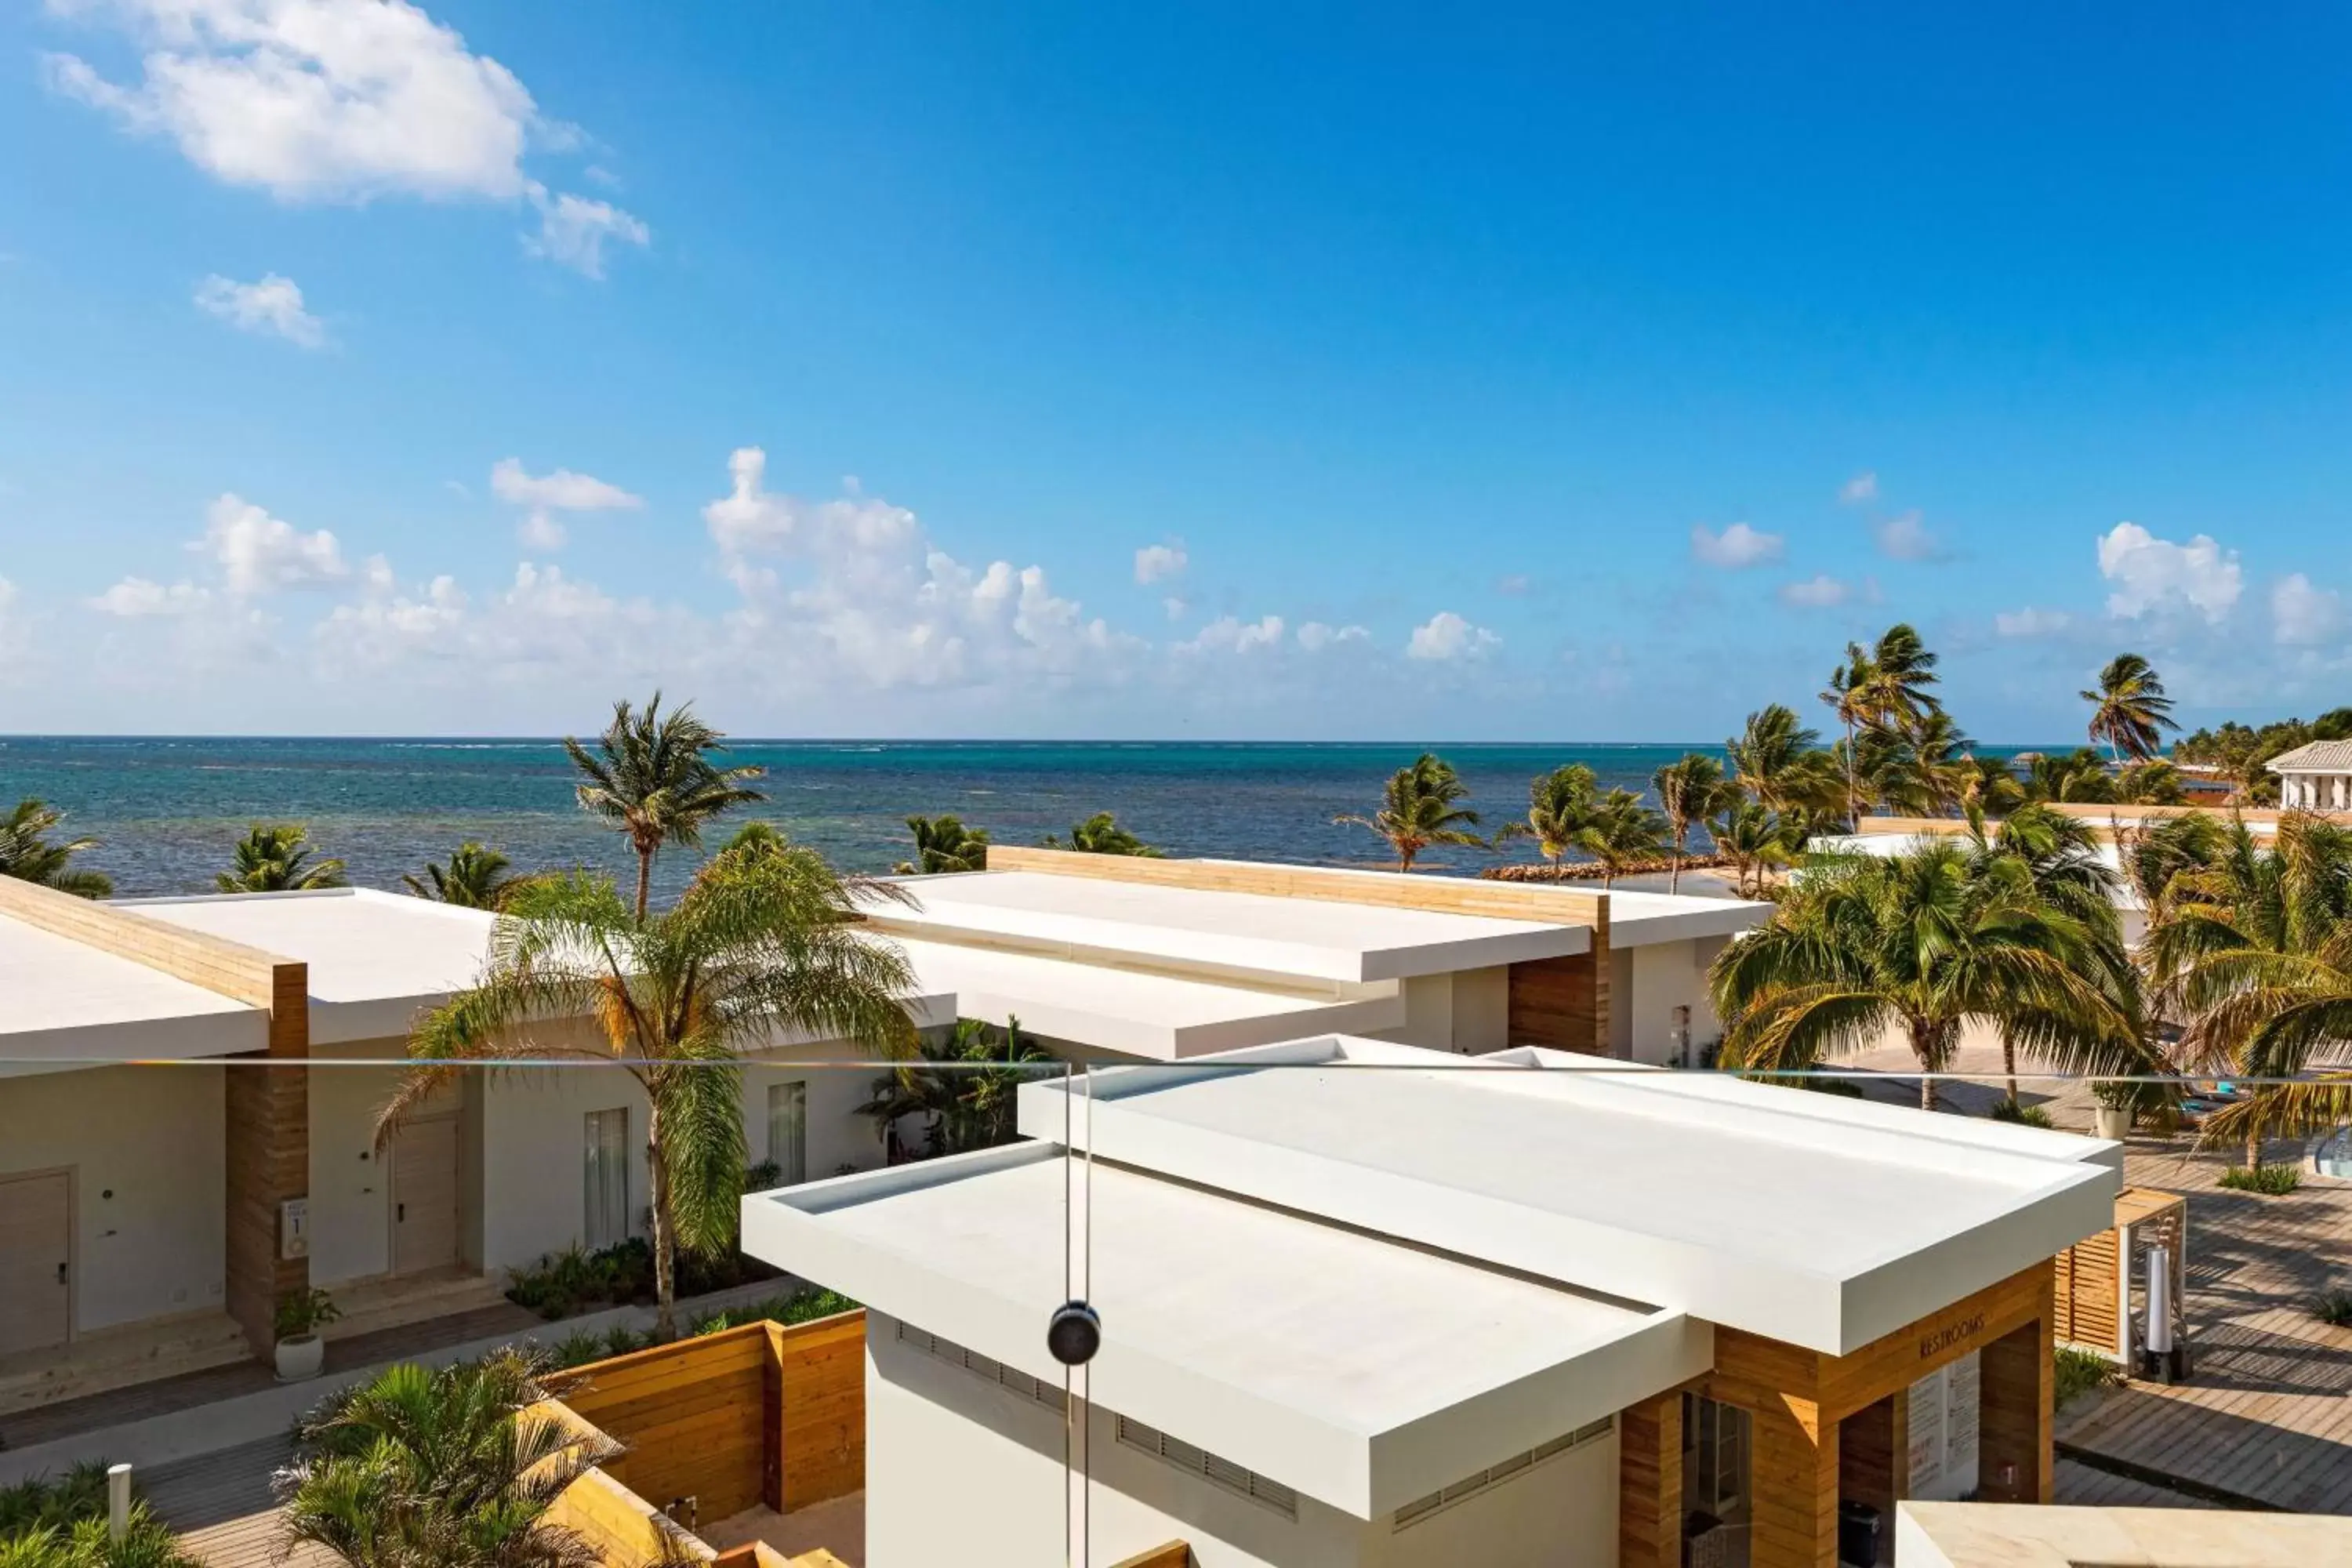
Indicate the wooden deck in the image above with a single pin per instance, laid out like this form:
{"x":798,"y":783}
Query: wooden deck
{"x":2265,"y":1419}
{"x":222,"y":1506}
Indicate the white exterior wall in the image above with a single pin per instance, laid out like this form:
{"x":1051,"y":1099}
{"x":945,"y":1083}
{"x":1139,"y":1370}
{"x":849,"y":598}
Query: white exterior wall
{"x":156,"y":1139}
{"x":1467,"y":1011}
{"x":1562,"y":1513}
{"x":960,"y":1470}
{"x":1660,"y":977}
{"x":350,"y":1186}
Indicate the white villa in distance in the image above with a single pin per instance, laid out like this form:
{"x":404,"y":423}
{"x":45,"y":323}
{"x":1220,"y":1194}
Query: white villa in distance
{"x":2316,"y":777}
{"x":189,"y":1087}
{"x":1366,"y":1305}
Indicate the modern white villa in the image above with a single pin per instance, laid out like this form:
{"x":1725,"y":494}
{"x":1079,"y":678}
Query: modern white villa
{"x":1365,"y":1303}
{"x":189,"y":1087}
{"x":2316,"y":777}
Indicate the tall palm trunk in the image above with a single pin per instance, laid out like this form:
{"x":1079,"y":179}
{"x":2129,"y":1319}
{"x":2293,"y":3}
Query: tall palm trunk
{"x":645,"y":879}
{"x":2008,"y":1064}
{"x":1675,"y":862}
{"x":665,"y":1237}
{"x":1926,"y":1048}
{"x":1852,"y":806}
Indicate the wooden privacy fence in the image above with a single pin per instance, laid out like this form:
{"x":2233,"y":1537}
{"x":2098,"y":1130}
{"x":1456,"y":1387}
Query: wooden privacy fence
{"x":2095,"y":1301}
{"x":721,"y":1423}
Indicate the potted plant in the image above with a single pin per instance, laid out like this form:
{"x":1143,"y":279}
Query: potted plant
{"x":300,"y":1351}
{"x":2119,"y":1104}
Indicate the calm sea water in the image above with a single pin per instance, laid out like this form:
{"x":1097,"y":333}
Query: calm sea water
{"x":168,"y":811}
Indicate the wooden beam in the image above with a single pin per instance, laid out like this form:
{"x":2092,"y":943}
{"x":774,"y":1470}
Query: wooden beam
{"x":1448,"y":895}
{"x":1650,"y":1483}
{"x":231,"y":969}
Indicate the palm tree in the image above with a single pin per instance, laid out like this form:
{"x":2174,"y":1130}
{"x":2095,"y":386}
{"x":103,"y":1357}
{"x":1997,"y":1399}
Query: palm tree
{"x":450,"y":1467}
{"x":2079,"y":777}
{"x":761,"y":944}
{"x":1099,"y":835}
{"x":475,"y":878}
{"x":275,"y":858}
{"x":1623,"y":833}
{"x":2130,"y":709}
{"x":27,"y":853}
{"x":963,"y":1088}
{"x":2156,"y":852}
{"x":1989,"y":786}
{"x":1561,"y":806}
{"x":1757,"y":840}
{"x":1848,"y":693}
{"x":1421,"y":805}
{"x":1778,"y":760}
{"x":1900,"y":670}
{"x":2059,"y":857}
{"x":2152,"y":783}
{"x":652,"y":778}
{"x":943,"y":844}
{"x":756,"y":838}
{"x":2257,"y":951}
{"x":1925,"y":942}
{"x":1690,"y":790}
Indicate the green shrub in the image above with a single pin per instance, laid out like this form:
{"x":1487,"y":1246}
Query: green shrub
{"x":2333,"y":1308}
{"x":2007,"y":1109}
{"x":801,"y":1307}
{"x":2271,"y":1181}
{"x":62,"y":1524}
{"x":567,"y":1283}
{"x":2078,"y":1372}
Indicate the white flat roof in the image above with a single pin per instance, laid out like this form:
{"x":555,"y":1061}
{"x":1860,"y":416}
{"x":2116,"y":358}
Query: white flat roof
{"x":2021,"y":1535}
{"x":1135,"y":1012}
{"x":1238,"y":933}
{"x":1359,"y":1372}
{"x":374,"y":958}
{"x":1637,"y":919}
{"x":70,"y":1005}
{"x":1751,"y":1206}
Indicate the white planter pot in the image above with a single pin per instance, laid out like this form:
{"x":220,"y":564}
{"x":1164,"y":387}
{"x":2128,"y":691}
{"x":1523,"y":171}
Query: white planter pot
{"x":2113,"y":1122}
{"x":300,"y":1357}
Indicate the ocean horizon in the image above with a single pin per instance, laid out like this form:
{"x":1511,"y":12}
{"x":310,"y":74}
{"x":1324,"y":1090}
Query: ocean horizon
{"x":168,"y":810}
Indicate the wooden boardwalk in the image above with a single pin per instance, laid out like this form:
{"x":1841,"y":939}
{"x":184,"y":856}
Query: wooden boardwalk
{"x":2265,"y":1419}
{"x":223,"y":1509}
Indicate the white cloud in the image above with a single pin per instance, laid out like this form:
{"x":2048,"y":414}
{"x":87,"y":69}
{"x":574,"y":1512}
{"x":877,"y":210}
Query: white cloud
{"x":547,"y":494}
{"x":1157,"y":562}
{"x":259,"y":554}
{"x":314,"y":100}
{"x":1739,"y":546}
{"x":1315,"y":635}
{"x":273,"y":305}
{"x":2032,"y":622}
{"x":1905,"y":538}
{"x":1820,"y":592}
{"x":1513,"y":585}
{"x":1175,"y":606}
{"x":1446,"y":636}
{"x":1227,"y":634}
{"x":2301,"y":613}
{"x":572,"y":230}
{"x":137,"y":598}
{"x":1861,"y":489}
{"x":2151,"y":573}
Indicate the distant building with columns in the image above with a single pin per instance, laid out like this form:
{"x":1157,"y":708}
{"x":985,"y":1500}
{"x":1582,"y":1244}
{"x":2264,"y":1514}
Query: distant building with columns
{"x":2317,"y":776}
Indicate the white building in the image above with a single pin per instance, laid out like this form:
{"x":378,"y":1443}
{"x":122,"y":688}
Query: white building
{"x":1370,"y":1304}
{"x":2316,"y":777}
{"x":162,"y":1182}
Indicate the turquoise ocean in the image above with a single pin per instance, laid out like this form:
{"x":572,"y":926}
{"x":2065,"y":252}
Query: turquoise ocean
{"x":169,"y":810}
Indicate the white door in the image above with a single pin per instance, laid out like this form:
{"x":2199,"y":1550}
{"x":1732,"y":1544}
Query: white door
{"x":425,"y":1196}
{"x":36,"y":1261}
{"x":604,"y":1191}
{"x":788,"y":1131}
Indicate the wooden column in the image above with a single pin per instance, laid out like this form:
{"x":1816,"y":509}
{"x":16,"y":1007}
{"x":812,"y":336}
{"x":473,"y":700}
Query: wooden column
{"x":1650,"y":1483}
{"x":2016,"y":1395}
{"x":1795,"y":1487}
{"x":269,"y":1131}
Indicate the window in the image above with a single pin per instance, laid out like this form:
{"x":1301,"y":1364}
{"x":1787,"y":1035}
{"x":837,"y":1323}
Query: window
{"x":606,"y":1187}
{"x":788,"y":1131}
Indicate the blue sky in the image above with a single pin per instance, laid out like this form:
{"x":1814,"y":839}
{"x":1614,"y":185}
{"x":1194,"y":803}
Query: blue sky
{"x":1298,"y":371}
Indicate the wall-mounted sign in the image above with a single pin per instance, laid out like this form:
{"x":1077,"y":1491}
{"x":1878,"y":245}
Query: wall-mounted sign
{"x":294,"y":1228}
{"x":1936,"y":1342}
{"x":1944,"y":1432}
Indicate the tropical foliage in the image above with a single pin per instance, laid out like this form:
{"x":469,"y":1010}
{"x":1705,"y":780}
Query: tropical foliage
{"x":761,"y":944}
{"x":473,"y":877}
{"x":1778,"y":760}
{"x":2254,"y":952}
{"x":1420,"y":807}
{"x":62,"y":1523}
{"x":1562,"y":806}
{"x":1690,"y":790}
{"x":2129,"y":710}
{"x":1098,"y":834}
{"x":1624,"y":833}
{"x":961,"y":1089}
{"x":651,"y":776}
{"x":1759,"y":842}
{"x":29,"y":853}
{"x":943,"y":844}
{"x":451,"y":1468}
{"x":2242,"y":753}
{"x":275,"y":858}
{"x":1921,"y":944}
